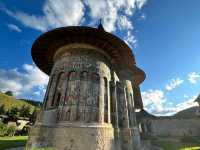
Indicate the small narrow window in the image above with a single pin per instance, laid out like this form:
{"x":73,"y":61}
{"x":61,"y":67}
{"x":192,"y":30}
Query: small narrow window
{"x":105,"y":100}
{"x":68,"y":113}
{"x":111,"y":88}
{"x":57,"y":82}
{"x":58,"y":99}
{"x":48,"y":91}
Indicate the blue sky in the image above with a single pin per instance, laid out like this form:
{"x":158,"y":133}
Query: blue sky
{"x":164,"y":36}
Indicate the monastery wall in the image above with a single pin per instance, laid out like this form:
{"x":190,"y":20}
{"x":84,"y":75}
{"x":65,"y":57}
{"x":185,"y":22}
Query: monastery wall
{"x":171,"y":127}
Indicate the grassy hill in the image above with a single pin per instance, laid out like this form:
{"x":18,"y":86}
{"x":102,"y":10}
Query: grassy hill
{"x":10,"y":102}
{"x":187,"y":113}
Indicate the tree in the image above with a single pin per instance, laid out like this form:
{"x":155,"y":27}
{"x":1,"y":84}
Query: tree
{"x":25,"y":111}
{"x":34,"y":115}
{"x":3,"y":129}
{"x":14,"y":113}
{"x":9,"y":93}
{"x":2,"y":109}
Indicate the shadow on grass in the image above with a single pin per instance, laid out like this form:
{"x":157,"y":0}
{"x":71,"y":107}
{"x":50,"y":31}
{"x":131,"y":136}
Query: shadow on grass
{"x":12,"y":142}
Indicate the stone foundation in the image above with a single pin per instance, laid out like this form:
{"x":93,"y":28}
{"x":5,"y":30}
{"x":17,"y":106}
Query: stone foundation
{"x":63,"y":137}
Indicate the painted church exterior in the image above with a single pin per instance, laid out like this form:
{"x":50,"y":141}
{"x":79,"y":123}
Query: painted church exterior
{"x":92,"y":93}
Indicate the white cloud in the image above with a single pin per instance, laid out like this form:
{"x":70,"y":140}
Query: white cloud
{"x":13,"y":27}
{"x":140,"y":3}
{"x":193,"y":77}
{"x":124,"y":23}
{"x":173,"y":109}
{"x":34,"y":77}
{"x":63,"y":12}
{"x":130,"y":39}
{"x":115,"y":15}
{"x":143,"y":16}
{"x":57,"y":13}
{"x":23,"y":83}
{"x":154,"y":100}
{"x":107,"y":10}
{"x":37,"y":93}
{"x":185,"y":96}
{"x":186,"y":104}
{"x":112,"y":11}
{"x":156,"y":103}
{"x":173,"y":84}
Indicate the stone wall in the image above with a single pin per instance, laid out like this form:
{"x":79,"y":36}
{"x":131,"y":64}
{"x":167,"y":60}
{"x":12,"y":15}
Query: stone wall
{"x":171,"y":127}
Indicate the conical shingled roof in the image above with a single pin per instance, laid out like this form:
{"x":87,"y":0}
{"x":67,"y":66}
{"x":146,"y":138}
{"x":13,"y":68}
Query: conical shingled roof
{"x":47,"y":44}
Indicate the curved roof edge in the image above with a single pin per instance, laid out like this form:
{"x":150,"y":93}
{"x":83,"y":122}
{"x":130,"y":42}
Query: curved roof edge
{"x":46,"y":45}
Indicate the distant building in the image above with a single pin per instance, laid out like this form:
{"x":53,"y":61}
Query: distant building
{"x":92,"y":93}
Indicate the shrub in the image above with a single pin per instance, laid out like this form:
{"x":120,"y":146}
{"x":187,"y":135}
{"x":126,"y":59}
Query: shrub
{"x":9,"y":93}
{"x":2,"y":109}
{"x":11,"y":131}
{"x":3,"y":129}
{"x":14,"y":113}
{"x":25,"y":111}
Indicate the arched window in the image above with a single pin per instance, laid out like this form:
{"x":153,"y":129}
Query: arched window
{"x":73,"y":94}
{"x":95,"y":81}
{"x":58,"y":99}
{"x":132,"y":103}
{"x":105,"y":100}
{"x":49,"y":89}
{"x":119,"y":103}
{"x":84,"y":85}
{"x":68,"y":115}
{"x":72,"y":87}
{"x":56,"y":88}
{"x":112,"y":102}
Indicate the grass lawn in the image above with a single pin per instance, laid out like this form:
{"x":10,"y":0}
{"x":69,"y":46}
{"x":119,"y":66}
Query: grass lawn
{"x":178,"y":144}
{"x":11,"y":142}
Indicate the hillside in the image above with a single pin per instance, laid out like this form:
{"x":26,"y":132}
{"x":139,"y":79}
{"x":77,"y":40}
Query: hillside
{"x":10,"y":101}
{"x":187,"y":113}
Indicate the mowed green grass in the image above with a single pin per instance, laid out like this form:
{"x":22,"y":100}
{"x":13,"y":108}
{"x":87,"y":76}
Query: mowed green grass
{"x":11,"y":142}
{"x":166,"y":143}
{"x":178,"y":144}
